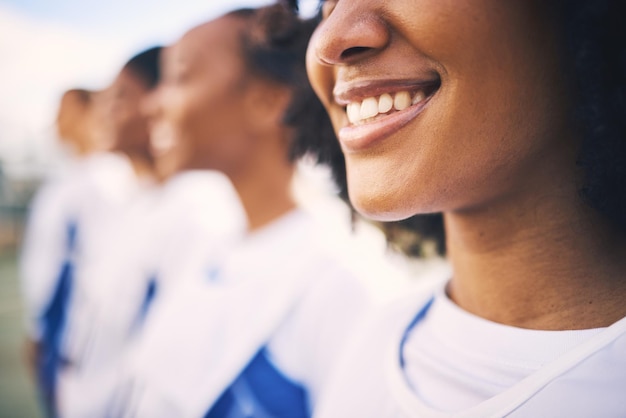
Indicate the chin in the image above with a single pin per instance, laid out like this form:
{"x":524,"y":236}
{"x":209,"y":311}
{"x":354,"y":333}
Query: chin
{"x":392,"y":198}
{"x":379,"y":193}
{"x":168,"y":164}
{"x":381,"y":205}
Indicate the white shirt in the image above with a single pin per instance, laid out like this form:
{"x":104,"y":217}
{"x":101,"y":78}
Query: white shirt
{"x":132,"y":248}
{"x":579,"y":374}
{"x":277,"y":288}
{"x":454,"y":360}
{"x":98,"y":214}
{"x":56,"y":205}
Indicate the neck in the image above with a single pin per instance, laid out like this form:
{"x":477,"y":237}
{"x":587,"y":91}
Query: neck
{"x":264,"y":190}
{"x":142,"y":164}
{"x":82,"y":151}
{"x":545,"y":262}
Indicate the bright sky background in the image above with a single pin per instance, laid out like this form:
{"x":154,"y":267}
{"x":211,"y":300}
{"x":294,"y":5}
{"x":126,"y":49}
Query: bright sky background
{"x":48,"y":46}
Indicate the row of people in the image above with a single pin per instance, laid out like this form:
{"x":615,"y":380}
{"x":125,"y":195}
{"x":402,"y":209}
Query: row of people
{"x":165,"y":306}
{"x":461,"y":109}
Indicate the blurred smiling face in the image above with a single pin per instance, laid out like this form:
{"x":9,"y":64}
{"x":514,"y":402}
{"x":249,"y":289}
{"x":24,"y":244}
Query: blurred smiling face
{"x":71,"y":117}
{"x":125,"y":121}
{"x":198,"y":115}
{"x":439,"y":105}
{"x":162,"y":144}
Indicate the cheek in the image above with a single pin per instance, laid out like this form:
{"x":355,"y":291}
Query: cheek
{"x":121,"y":123}
{"x":310,"y":60}
{"x":182,"y":112}
{"x":126,"y":112}
{"x":497,"y":116}
{"x":175,"y":109}
{"x":191,"y":115}
{"x":118,"y":116}
{"x":320,"y":77}
{"x":460,"y":153}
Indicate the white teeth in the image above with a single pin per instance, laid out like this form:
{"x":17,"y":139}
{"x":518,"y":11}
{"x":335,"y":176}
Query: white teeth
{"x":354,"y":110}
{"x":385,"y":103}
{"x":402,"y":100}
{"x":162,"y":138}
{"x":369,"y":108}
{"x":419,"y":96}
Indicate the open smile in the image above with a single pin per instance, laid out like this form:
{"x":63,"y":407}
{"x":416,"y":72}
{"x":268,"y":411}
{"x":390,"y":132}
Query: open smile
{"x":375,"y":111}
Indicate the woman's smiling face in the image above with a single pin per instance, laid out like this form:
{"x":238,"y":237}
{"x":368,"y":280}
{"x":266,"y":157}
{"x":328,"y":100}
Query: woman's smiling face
{"x":439,"y":105}
{"x":199,"y":116}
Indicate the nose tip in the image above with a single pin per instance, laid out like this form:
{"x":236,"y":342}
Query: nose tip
{"x":349,"y":35}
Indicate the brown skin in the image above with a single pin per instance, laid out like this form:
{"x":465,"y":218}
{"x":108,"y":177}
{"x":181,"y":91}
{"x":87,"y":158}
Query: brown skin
{"x":79,"y":126}
{"x":127,"y":126}
{"x":167,"y":159}
{"x":224,"y":119}
{"x":493,"y":150}
{"x":76,"y":121}
{"x":99,"y":138}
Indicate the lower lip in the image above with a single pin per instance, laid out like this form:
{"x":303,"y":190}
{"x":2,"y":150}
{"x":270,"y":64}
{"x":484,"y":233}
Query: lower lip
{"x":355,"y":138}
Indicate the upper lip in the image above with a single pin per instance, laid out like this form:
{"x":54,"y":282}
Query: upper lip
{"x":347,"y":92}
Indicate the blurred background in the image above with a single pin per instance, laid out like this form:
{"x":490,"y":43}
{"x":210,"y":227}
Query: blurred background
{"x":49,"y":46}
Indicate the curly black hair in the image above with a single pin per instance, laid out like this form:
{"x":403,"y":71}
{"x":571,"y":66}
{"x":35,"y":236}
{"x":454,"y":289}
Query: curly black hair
{"x":274,"y":47}
{"x":594,"y":54}
{"x":595,"y":37}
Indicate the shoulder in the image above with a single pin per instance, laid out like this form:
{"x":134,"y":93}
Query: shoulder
{"x":205,"y":201}
{"x":361,"y":384}
{"x":332,"y":282}
{"x":587,"y":381}
{"x":108,"y":175}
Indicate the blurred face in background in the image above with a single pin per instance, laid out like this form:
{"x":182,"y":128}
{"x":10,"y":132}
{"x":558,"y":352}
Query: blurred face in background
{"x":73,"y":119}
{"x":126,"y":124}
{"x":81,"y":120}
{"x":200,"y":114}
{"x":100,"y":140}
{"x":162,"y":144}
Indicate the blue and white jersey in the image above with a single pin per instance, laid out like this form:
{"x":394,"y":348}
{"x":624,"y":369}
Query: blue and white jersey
{"x":391,"y":373}
{"x":52,"y":323}
{"x":254,"y":329}
{"x":53,"y":247}
{"x":58,"y":204}
{"x":135,"y":265}
{"x":262,"y":390}
{"x":101,"y":204}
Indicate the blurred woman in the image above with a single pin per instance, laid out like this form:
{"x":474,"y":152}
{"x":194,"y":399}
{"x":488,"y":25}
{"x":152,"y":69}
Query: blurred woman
{"x":58,"y":237}
{"x":42,"y":239}
{"x":50,"y":238}
{"x":125,"y":229}
{"x":256,"y":323}
{"x":75,"y":121}
{"x":507,"y":117}
{"x":44,"y":248}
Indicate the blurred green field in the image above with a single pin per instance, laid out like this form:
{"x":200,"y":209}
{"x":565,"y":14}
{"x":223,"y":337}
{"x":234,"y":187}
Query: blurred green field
{"x":17,"y":393}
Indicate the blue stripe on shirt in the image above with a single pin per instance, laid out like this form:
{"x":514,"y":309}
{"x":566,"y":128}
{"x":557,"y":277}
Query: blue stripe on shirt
{"x":261,"y":391}
{"x":149,"y":296}
{"x":53,"y":321}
